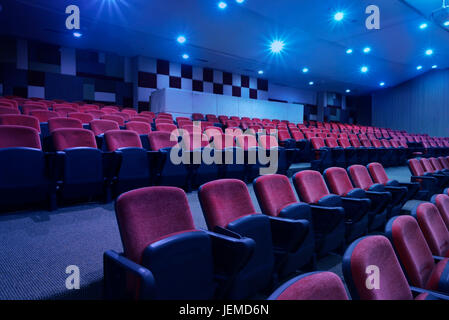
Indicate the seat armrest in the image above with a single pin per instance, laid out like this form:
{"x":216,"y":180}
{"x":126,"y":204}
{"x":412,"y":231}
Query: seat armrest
{"x":433,"y":294}
{"x":288,"y":234}
{"x":117,"y":270}
{"x":295,"y":211}
{"x":355,"y":208}
{"x":325,"y":219}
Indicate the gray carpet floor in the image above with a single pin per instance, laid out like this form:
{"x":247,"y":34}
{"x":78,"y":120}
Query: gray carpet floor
{"x":36,"y":247}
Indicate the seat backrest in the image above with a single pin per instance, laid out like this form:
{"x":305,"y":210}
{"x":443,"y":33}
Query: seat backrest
{"x":213,"y":131}
{"x":297,"y":135}
{"x":412,"y":249}
{"x":317,"y":143}
{"x":274,"y":192}
{"x":433,"y":228}
{"x":427,"y":165}
{"x":58,"y":123}
{"x":386,"y":144}
{"x":149,"y":214}
{"x":331,"y":142}
{"x":224,"y":201}
{"x":163,"y":120}
{"x":141,"y":119}
{"x":44,"y":116}
{"x":130,"y":111}
{"x":442,"y":203}
{"x":223,"y":141}
{"x":19,"y":136}
{"x":161,"y":139}
{"x":377,"y":251}
{"x":165,"y":127}
{"x":101,"y":126}
{"x":246,"y":141}
{"x":120,"y":121}
{"x":310,"y":186}
{"x":360,"y":176}
{"x":312,"y":286}
{"x":67,"y":138}
{"x":283,"y":135}
{"x":366,"y":143}
{"x":268,"y":142}
{"x":139,"y":127}
{"x":197,"y":116}
{"x":344,"y":143}
{"x":436,"y":163}
{"x":338,"y":181}
{"x":8,"y":110}
{"x":378,"y":173}
{"x":83,"y":117}
{"x":356,"y":143}
{"x":116,"y":139}
{"x":20,"y":120}
{"x":376,"y":143}
{"x":416,"y":167}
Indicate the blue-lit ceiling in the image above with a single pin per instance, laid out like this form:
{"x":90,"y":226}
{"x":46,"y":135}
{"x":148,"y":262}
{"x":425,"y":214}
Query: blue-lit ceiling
{"x":238,"y":37}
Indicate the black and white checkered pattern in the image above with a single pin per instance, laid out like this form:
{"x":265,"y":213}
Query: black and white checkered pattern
{"x":154,"y":74}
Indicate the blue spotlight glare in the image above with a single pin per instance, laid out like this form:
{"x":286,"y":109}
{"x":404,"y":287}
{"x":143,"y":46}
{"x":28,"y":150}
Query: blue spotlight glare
{"x":434,"y":66}
{"x":277,"y":46}
{"x":423,"y":26}
{"x":77,"y":34}
{"x":305,"y":70}
{"x":382,"y":84}
{"x":181,"y":39}
{"x":348,"y":90}
{"x":446,"y":23}
{"x":364,"y":69}
{"x":311,"y":83}
{"x":349,"y":51}
{"x":367,"y":50}
{"x":260,"y":72}
{"x":418,"y":67}
{"x":185,"y":56}
{"x":339,"y":16}
{"x":239,"y":1}
{"x":429,"y":52}
{"x":222,"y":5}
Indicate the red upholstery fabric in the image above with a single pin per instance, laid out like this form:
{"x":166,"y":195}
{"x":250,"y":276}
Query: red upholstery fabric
{"x":378,"y":173}
{"x":119,"y":120}
{"x":96,"y":114}
{"x":67,"y":138}
{"x":318,"y":286}
{"x":141,"y":119}
{"x":437,"y":273}
{"x":416,"y":167}
{"x":43,"y":115}
{"x":161,"y":139}
{"x":224,"y":201}
{"x":58,"y":123}
{"x":28,"y":108}
{"x":436,"y":163}
{"x":213,"y":131}
{"x":101,"y":126}
{"x":297,"y":135}
{"x":163,"y":120}
{"x":268,"y":142}
{"x":8,"y":110}
{"x":166,"y":127}
{"x":338,"y":181}
{"x":344,"y":143}
{"x":317,"y":143}
{"x":377,"y":250}
{"x":116,"y":139}
{"x":274,"y":193}
{"x":413,"y":250}
{"x":427,"y":165}
{"x":122,"y":115}
{"x":360,"y":176}
{"x":138,"y":127}
{"x":234,"y":131}
{"x":331,"y":142}
{"x":433,"y":228}
{"x":376,"y":143}
{"x":283,"y":135}
{"x":19,"y":136}
{"x":311,"y":186}
{"x":444,"y":162}
{"x":442,"y":203}
{"x":224,"y":141}
{"x":83,"y":117}
{"x":130,"y":112}
{"x":246,"y":141}
{"x":20,"y":120}
{"x":196,"y":141}
{"x":386,"y":144}
{"x":366,"y":143}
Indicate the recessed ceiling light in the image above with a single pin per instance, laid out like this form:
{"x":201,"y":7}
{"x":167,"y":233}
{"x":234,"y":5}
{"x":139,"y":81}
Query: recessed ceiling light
{"x":277,"y":46}
{"x":348,"y":90}
{"x":367,"y":50}
{"x":239,"y":1}
{"x":222,"y":5}
{"x":434,"y":66}
{"x":446,"y":24}
{"x":185,"y":56}
{"x":418,"y":67}
{"x":364,"y":69}
{"x":349,"y":51}
{"x":338,"y":16}
{"x":181,"y":39}
{"x":429,"y":52}
{"x":382,"y":84}
{"x":77,"y":34}
{"x":423,"y":26}
{"x":305,"y":70}
{"x":260,"y":72}
{"x":311,"y":83}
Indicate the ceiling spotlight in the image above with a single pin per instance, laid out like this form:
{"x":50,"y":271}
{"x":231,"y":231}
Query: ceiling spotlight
{"x":185,"y":56}
{"x":305,"y":70}
{"x":77,"y":34}
{"x":222,"y":5}
{"x":348,"y":90}
{"x":446,"y":23}
{"x":367,"y":50}
{"x":181,"y":39}
{"x":239,"y":1}
{"x":423,"y":26}
{"x":434,"y":66}
{"x":260,"y":72}
{"x":349,"y":51}
{"x":339,"y":16}
{"x":429,"y":52}
{"x":311,"y":83}
{"x":277,"y":46}
{"x":382,"y":84}
{"x":364,"y":69}
{"x":418,"y":67}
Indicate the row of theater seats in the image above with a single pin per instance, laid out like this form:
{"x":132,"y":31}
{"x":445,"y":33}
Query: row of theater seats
{"x":432,"y":173}
{"x":244,"y":254}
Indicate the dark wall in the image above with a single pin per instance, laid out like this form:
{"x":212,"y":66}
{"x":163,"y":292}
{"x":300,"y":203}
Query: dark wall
{"x":359,"y":108}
